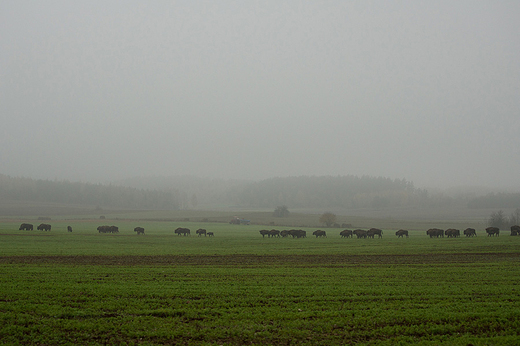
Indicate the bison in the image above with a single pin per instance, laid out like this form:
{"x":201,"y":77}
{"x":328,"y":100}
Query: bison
{"x":69,"y":229}
{"x":43,"y":227}
{"x":139,"y":230}
{"x":298,"y":233}
{"x":452,"y":233}
{"x":200,"y":232}
{"x":401,"y":233}
{"x":470,"y":232}
{"x":360,"y":233}
{"x":26,"y":227}
{"x":108,"y":229}
{"x":183,"y":231}
{"x":319,"y":233}
{"x":493,"y":231}
{"x":284,"y":233}
{"x":515,"y":230}
{"x":274,"y":233}
{"x":374,"y":231}
{"x":346,"y":233}
{"x":264,"y":233}
{"x":210,"y":234}
{"x":435,"y":232}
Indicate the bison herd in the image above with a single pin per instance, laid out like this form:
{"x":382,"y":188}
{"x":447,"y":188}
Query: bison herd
{"x":30,"y":227}
{"x":298,"y":233}
{"x":468,"y":232}
{"x":373,"y":232}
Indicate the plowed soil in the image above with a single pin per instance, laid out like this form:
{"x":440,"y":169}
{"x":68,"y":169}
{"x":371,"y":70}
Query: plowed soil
{"x":261,"y":260}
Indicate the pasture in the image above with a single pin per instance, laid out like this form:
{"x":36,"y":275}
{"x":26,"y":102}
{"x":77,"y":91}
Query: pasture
{"x":239,"y":288}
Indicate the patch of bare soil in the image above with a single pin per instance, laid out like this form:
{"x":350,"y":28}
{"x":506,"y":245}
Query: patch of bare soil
{"x":266,"y":260}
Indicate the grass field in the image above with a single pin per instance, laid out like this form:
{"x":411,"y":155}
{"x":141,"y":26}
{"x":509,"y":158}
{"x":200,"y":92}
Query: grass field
{"x":238,"y":288}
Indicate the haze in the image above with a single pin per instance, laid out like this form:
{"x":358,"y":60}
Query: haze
{"x":428,"y":91}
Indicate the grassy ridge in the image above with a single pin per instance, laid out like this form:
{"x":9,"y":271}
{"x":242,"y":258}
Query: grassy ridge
{"x":239,"y":288}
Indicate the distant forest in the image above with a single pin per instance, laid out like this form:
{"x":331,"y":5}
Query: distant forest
{"x":294,"y":192}
{"x":496,"y":200}
{"x":331,"y":191}
{"x":25,"y":189}
{"x":187,"y":192}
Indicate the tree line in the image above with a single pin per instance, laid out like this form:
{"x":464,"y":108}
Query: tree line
{"x":172,"y":193}
{"x":26,"y":189}
{"x":501,"y":220}
{"x":496,"y":200}
{"x":331,"y":191}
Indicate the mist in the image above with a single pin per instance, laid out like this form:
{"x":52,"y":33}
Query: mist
{"x":108,"y":90}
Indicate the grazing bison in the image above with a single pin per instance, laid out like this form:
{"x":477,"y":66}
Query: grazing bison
{"x":284,"y":233}
{"x":274,"y":233}
{"x":493,"y":231}
{"x":435,"y":233}
{"x":264,"y":233}
{"x":452,"y":233}
{"x":69,"y":229}
{"x":346,"y":233}
{"x":43,"y":227}
{"x":470,"y":232}
{"x":183,"y":231}
{"x":139,"y":230}
{"x":515,"y":230}
{"x":210,"y":234}
{"x":200,"y":232}
{"x":108,"y":229}
{"x":319,"y":233}
{"x":26,"y":227}
{"x":298,"y":233}
{"x":374,"y":231}
{"x":360,"y":233}
{"x":401,"y":233}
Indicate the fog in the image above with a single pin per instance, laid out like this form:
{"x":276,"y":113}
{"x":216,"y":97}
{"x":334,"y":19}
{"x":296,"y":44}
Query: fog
{"x":428,"y":91}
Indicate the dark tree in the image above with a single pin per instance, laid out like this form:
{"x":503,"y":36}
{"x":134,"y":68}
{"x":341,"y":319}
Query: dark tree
{"x":281,"y":211}
{"x":497,"y":219}
{"x":328,"y":218}
{"x":514,"y":219}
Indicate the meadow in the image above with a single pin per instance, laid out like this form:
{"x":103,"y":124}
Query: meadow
{"x":239,"y":288}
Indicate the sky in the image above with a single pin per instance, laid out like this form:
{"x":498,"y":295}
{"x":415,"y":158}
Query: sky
{"x":96,"y":91}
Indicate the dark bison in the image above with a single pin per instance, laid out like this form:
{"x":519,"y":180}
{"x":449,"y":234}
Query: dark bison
{"x":210,"y":234}
{"x":435,"y":233}
{"x":515,"y":230}
{"x":401,"y":233}
{"x":374,"y":231}
{"x":284,"y":233}
{"x":200,"y":232}
{"x":69,"y":229}
{"x":493,"y":231}
{"x":346,"y":233}
{"x":26,"y":227}
{"x":274,"y":233}
{"x":264,"y":233}
{"x":182,"y":231}
{"x":470,"y":232}
{"x":452,"y":233}
{"x":43,"y":227}
{"x":298,"y":233}
{"x":360,"y":233}
{"x":139,"y":230}
{"x":319,"y":233}
{"x":108,"y":229}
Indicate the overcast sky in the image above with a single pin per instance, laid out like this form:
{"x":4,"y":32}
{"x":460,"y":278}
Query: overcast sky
{"x":428,"y":90}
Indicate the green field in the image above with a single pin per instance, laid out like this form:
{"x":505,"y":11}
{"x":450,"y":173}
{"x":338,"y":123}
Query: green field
{"x":238,"y":288}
